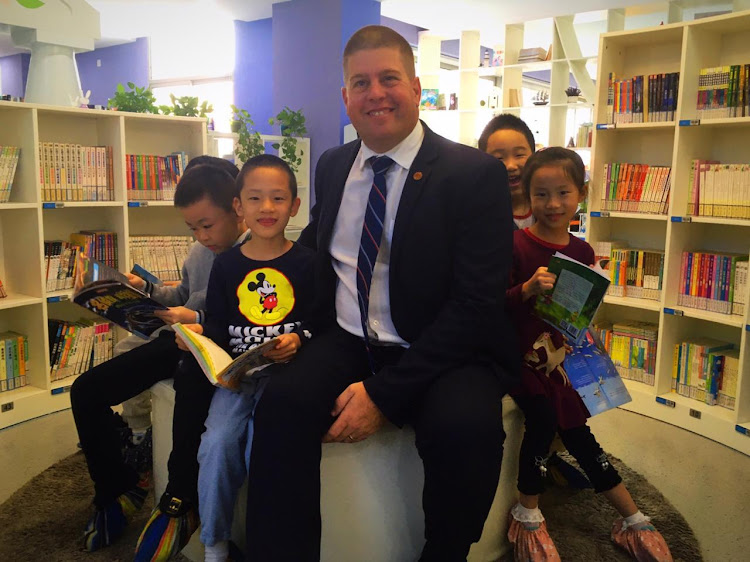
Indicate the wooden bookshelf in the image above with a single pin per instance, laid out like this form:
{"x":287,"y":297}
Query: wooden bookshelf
{"x":685,"y":47}
{"x":26,"y":221}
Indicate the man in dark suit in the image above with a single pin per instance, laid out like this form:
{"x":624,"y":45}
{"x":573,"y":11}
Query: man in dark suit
{"x":419,"y":337}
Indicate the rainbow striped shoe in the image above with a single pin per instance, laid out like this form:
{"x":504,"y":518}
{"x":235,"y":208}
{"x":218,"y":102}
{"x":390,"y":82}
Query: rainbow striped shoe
{"x":167,"y":531}
{"x":108,"y":523}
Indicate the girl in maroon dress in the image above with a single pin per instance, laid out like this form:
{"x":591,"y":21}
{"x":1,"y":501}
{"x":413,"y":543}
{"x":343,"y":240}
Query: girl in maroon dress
{"x":554,"y":180}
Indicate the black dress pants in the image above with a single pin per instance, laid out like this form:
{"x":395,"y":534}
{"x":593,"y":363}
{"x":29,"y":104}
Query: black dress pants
{"x":108,"y":384}
{"x":459,"y":436}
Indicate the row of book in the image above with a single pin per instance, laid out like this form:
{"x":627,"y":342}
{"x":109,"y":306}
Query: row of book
{"x":724,"y":91}
{"x":161,"y":255}
{"x":636,"y":188}
{"x":642,"y":99}
{"x":9,"y":156}
{"x":719,"y":190}
{"x":533,"y":54}
{"x":632,"y":348}
{"x":153,"y":178}
{"x":60,"y":259}
{"x":76,"y":347}
{"x":585,"y":135}
{"x":73,"y":172}
{"x":714,"y":282}
{"x":100,"y":245}
{"x":634,"y":272}
{"x":707,"y":370}
{"x":14,"y":360}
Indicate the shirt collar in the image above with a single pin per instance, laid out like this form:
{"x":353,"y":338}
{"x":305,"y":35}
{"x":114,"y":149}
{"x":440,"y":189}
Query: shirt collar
{"x":402,"y":154}
{"x":244,"y":237}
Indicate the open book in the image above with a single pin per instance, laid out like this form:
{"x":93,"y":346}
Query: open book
{"x":107,"y":292}
{"x":594,"y":376}
{"x":217,"y":364}
{"x":571,"y":304}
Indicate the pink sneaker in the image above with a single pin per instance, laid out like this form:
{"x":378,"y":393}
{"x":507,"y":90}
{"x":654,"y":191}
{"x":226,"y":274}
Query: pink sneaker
{"x":531,"y":541}
{"x":642,"y":541}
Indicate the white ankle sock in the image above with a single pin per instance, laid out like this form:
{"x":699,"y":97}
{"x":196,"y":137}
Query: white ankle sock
{"x":525,"y":515}
{"x":218,"y":552}
{"x":634,"y":519}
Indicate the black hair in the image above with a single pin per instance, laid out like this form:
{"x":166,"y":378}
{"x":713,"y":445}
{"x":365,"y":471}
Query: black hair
{"x":568,"y":160}
{"x":506,"y":121}
{"x":378,"y":37}
{"x":267,"y":161}
{"x":206,"y":180}
{"x":205,"y":159}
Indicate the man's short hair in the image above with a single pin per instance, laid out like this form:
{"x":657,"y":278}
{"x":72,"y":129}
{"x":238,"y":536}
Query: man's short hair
{"x":206,"y":180}
{"x":377,"y":37}
{"x":267,"y":161}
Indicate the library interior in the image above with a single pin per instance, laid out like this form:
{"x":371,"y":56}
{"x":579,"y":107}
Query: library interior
{"x":104,"y":104}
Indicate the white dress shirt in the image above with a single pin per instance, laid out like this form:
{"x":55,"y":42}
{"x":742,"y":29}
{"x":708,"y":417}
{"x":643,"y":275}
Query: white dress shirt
{"x":347,"y":233}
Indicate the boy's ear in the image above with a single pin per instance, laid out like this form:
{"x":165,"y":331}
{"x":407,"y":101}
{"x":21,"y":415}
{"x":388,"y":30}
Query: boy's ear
{"x":295,"y":207}
{"x":237,"y":205}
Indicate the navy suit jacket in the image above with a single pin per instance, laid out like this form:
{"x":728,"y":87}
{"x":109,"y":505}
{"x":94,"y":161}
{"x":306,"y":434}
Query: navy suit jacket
{"x":451,"y":255}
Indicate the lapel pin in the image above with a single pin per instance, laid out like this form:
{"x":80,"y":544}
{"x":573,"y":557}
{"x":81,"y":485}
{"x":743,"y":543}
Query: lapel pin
{"x":417,"y":176}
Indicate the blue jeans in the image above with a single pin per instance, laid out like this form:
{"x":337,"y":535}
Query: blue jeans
{"x":224,"y":457}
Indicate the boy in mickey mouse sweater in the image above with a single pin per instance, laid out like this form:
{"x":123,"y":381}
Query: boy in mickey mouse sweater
{"x":257,"y":291}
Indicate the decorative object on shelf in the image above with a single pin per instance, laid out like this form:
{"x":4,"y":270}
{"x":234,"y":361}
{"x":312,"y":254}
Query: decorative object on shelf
{"x":429,"y":99}
{"x":573,"y":94}
{"x":499,"y":58}
{"x":441,"y":102}
{"x":81,"y":100}
{"x":186,"y":106}
{"x":571,"y":143}
{"x":541,"y":98}
{"x":139,"y":99}
{"x":3,"y":294}
{"x":453,"y":103}
{"x":249,"y":142}
{"x":292,"y":124}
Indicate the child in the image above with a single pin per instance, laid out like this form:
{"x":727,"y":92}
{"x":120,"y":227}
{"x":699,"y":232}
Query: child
{"x":509,"y":139}
{"x":256,"y":291}
{"x":553,"y":179}
{"x":118,"y":492}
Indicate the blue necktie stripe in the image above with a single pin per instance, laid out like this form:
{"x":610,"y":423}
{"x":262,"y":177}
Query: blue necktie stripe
{"x":369,"y":245}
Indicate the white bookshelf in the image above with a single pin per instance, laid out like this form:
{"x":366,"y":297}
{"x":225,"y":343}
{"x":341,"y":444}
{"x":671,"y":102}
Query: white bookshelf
{"x":685,"y":47}
{"x":26,"y":221}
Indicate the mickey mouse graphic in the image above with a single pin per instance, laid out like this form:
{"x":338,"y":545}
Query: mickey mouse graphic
{"x":267,"y":292}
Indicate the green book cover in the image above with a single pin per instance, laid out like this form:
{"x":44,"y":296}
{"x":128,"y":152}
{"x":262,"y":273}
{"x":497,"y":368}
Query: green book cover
{"x":574,"y":299}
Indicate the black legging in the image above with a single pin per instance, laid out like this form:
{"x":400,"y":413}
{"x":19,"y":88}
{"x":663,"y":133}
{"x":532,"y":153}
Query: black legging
{"x":108,"y":384}
{"x":541,"y":425}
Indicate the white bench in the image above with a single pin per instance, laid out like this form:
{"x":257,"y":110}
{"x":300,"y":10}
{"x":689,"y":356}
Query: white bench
{"x":370,"y":511}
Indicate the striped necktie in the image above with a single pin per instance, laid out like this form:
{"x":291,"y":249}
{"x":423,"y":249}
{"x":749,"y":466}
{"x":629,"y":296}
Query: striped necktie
{"x":372,"y":232}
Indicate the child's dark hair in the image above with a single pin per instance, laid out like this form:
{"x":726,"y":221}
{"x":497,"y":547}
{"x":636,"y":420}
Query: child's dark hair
{"x":267,"y":161}
{"x":506,"y":121}
{"x":568,"y":160}
{"x":206,"y":180}
{"x":215,"y":162}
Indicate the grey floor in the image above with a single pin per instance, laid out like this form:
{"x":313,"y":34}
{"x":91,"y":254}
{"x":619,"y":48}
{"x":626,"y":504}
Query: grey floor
{"x":707,"y":482}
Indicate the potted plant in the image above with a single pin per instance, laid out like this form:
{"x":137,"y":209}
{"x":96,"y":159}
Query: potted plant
{"x":292,"y":125}
{"x":186,"y":106}
{"x":249,"y":142}
{"x":573,"y":94}
{"x":137,"y":100}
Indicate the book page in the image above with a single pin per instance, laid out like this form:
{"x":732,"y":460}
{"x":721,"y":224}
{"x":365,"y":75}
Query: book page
{"x":571,"y":291}
{"x":210,"y":356}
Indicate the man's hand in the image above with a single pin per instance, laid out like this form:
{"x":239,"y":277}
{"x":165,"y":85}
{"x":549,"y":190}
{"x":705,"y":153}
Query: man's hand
{"x":541,"y":281}
{"x":135,"y":281}
{"x":286,"y":347}
{"x":358,"y":416}
{"x":197,"y":328}
{"x":177,"y":314}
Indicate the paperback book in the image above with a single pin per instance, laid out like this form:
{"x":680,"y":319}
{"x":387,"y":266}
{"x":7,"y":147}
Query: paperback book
{"x":219,"y":367}
{"x":594,"y":376}
{"x":572,"y":302}
{"x":107,"y":292}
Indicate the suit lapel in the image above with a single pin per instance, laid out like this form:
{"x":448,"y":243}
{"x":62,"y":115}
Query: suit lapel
{"x":416,"y":181}
{"x":334,"y":192}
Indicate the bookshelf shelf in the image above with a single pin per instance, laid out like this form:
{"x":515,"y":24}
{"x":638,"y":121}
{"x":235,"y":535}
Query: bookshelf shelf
{"x":684,"y":47}
{"x":644,"y":304}
{"x":26,"y":222}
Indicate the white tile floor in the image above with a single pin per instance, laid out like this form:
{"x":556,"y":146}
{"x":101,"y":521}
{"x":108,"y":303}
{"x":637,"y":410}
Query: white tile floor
{"x":707,"y":482}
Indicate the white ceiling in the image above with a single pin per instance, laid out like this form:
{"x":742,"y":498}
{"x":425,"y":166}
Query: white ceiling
{"x":122,"y":20}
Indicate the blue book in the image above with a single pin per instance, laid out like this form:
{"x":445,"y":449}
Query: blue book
{"x":594,"y":376}
{"x":144,"y":273}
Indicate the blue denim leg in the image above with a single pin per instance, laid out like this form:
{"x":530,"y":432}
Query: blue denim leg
{"x":224,"y":457}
